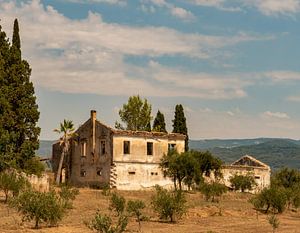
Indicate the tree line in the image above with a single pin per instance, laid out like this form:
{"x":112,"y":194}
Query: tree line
{"x":136,"y":115}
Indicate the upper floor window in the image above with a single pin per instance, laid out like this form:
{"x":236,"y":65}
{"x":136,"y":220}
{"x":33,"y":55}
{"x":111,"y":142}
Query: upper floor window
{"x":83,"y":149}
{"x":102,"y":147}
{"x":126,"y":147}
{"x":149,"y":148}
{"x":171,"y":146}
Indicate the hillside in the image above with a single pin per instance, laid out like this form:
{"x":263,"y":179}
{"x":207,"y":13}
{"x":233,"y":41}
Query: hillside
{"x":276,"y":153}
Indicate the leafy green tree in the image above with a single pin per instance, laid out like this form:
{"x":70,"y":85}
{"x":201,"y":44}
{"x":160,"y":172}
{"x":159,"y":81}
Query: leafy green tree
{"x":103,"y":223}
{"x":68,"y":195}
{"x":40,"y":206}
{"x":179,"y":124}
{"x":18,"y":109}
{"x":136,"y":114}
{"x":135,"y":207}
{"x":213,"y":190}
{"x":272,"y":198}
{"x":159,"y":124}
{"x":169,"y":204}
{"x":67,"y":130}
{"x":242,"y":182}
{"x":12,"y":183}
{"x":117,"y":203}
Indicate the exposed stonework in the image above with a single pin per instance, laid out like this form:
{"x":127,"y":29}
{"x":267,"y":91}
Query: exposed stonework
{"x":248,"y":165}
{"x":127,"y":160}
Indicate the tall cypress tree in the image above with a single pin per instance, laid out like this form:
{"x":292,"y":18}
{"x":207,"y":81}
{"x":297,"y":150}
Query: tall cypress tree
{"x":159,"y":124}
{"x":21,"y":113}
{"x":179,"y":124}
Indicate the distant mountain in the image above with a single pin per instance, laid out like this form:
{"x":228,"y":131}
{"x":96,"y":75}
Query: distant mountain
{"x":274,"y":152}
{"x":45,"y":149}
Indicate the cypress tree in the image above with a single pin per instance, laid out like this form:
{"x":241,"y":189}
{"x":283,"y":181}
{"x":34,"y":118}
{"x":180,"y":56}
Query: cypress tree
{"x":179,"y":124}
{"x":20,"y":115}
{"x":159,"y":124}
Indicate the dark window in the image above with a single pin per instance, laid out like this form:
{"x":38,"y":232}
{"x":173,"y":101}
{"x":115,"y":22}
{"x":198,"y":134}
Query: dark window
{"x":171,"y":146}
{"x":126,"y":147}
{"x":149,"y":148}
{"x":131,"y":173}
{"x":154,"y":173}
{"x":102,"y":147}
{"x":257,"y":177}
{"x":99,"y":172}
{"x":82,"y":173}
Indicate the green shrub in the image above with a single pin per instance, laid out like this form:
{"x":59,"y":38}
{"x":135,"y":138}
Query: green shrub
{"x":117,"y":203}
{"x":41,"y":207}
{"x":68,"y":195}
{"x":273,"y":198}
{"x":212,"y":190}
{"x":12,"y":183}
{"x":169,"y":204}
{"x":135,"y":208}
{"x":242,"y":182}
{"x":34,"y":166}
{"x":106,"y":190}
{"x":274,"y":222}
{"x":104,"y":224}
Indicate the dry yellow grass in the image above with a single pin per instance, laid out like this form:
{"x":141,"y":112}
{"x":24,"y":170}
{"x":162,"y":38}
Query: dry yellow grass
{"x":232,"y":214}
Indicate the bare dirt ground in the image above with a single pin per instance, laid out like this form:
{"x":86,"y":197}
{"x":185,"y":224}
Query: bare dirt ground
{"x":232,"y":214}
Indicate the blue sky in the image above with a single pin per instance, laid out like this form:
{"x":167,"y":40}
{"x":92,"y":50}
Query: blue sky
{"x":233,"y":64}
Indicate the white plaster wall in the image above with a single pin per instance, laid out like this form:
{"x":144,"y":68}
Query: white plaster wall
{"x":142,"y":179}
{"x":138,"y":148}
{"x":263,"y":174}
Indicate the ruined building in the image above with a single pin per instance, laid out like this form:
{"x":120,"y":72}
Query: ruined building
{"x":128,"y":160}
{"x":247,"y":165}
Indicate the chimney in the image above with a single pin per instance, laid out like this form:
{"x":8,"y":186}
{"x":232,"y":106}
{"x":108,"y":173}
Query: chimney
{"x":93,"y":120}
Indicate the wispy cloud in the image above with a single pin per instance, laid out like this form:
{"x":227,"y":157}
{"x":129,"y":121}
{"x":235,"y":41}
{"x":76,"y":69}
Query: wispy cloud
{"x":280,"y":115}
{"x":179,"y":12}
{"x":88,"y":56}
{"x":266,"y":7}
{"x":112,"y":2}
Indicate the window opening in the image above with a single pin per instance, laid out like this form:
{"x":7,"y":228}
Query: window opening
{"x":149,"y":148}
{"x":103,"y":147}
{"x":126,"y":147}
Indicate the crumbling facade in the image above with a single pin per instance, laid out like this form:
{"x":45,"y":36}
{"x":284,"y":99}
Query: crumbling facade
{"x":127,"y":160}
{"x":247,"y":165}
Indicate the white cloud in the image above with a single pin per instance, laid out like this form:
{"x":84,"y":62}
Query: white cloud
{"x":293,"y":98}
{"x":112,"y":2}
{"x":280,"y":115}
{"x":282,"y":75}
{"x":266,"y":7}
{"x":275,"y":7}
{"x":87,"y":56}
{"x":221,"y":124}
{"x":174,"y":10}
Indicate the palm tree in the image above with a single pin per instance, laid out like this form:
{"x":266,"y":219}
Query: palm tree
{"x":67,"y":129}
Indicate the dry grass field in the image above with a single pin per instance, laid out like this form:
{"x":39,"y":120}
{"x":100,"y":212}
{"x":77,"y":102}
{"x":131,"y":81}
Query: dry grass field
{"x":232,"y":214}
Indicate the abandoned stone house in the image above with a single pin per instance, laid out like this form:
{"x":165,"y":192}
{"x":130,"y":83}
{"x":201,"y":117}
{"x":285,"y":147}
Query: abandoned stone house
{"x":127,"y":160}
{"x":248,"y":165}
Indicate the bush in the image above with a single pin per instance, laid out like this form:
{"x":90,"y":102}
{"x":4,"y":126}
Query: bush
{"x":41,"y":207}
{"x":117,"y":203}
{"x":274,"y":222}
{"x":135,"y":208}
{"x":68,"y":195}
{"x":34,"y":166}
{"x":104,"y":224}
{"x":273,"y":198}
{"x":242,"y":183}
{"x":212,"y":190}
{"x":169,"y":204}
{"x":12,"y":183}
